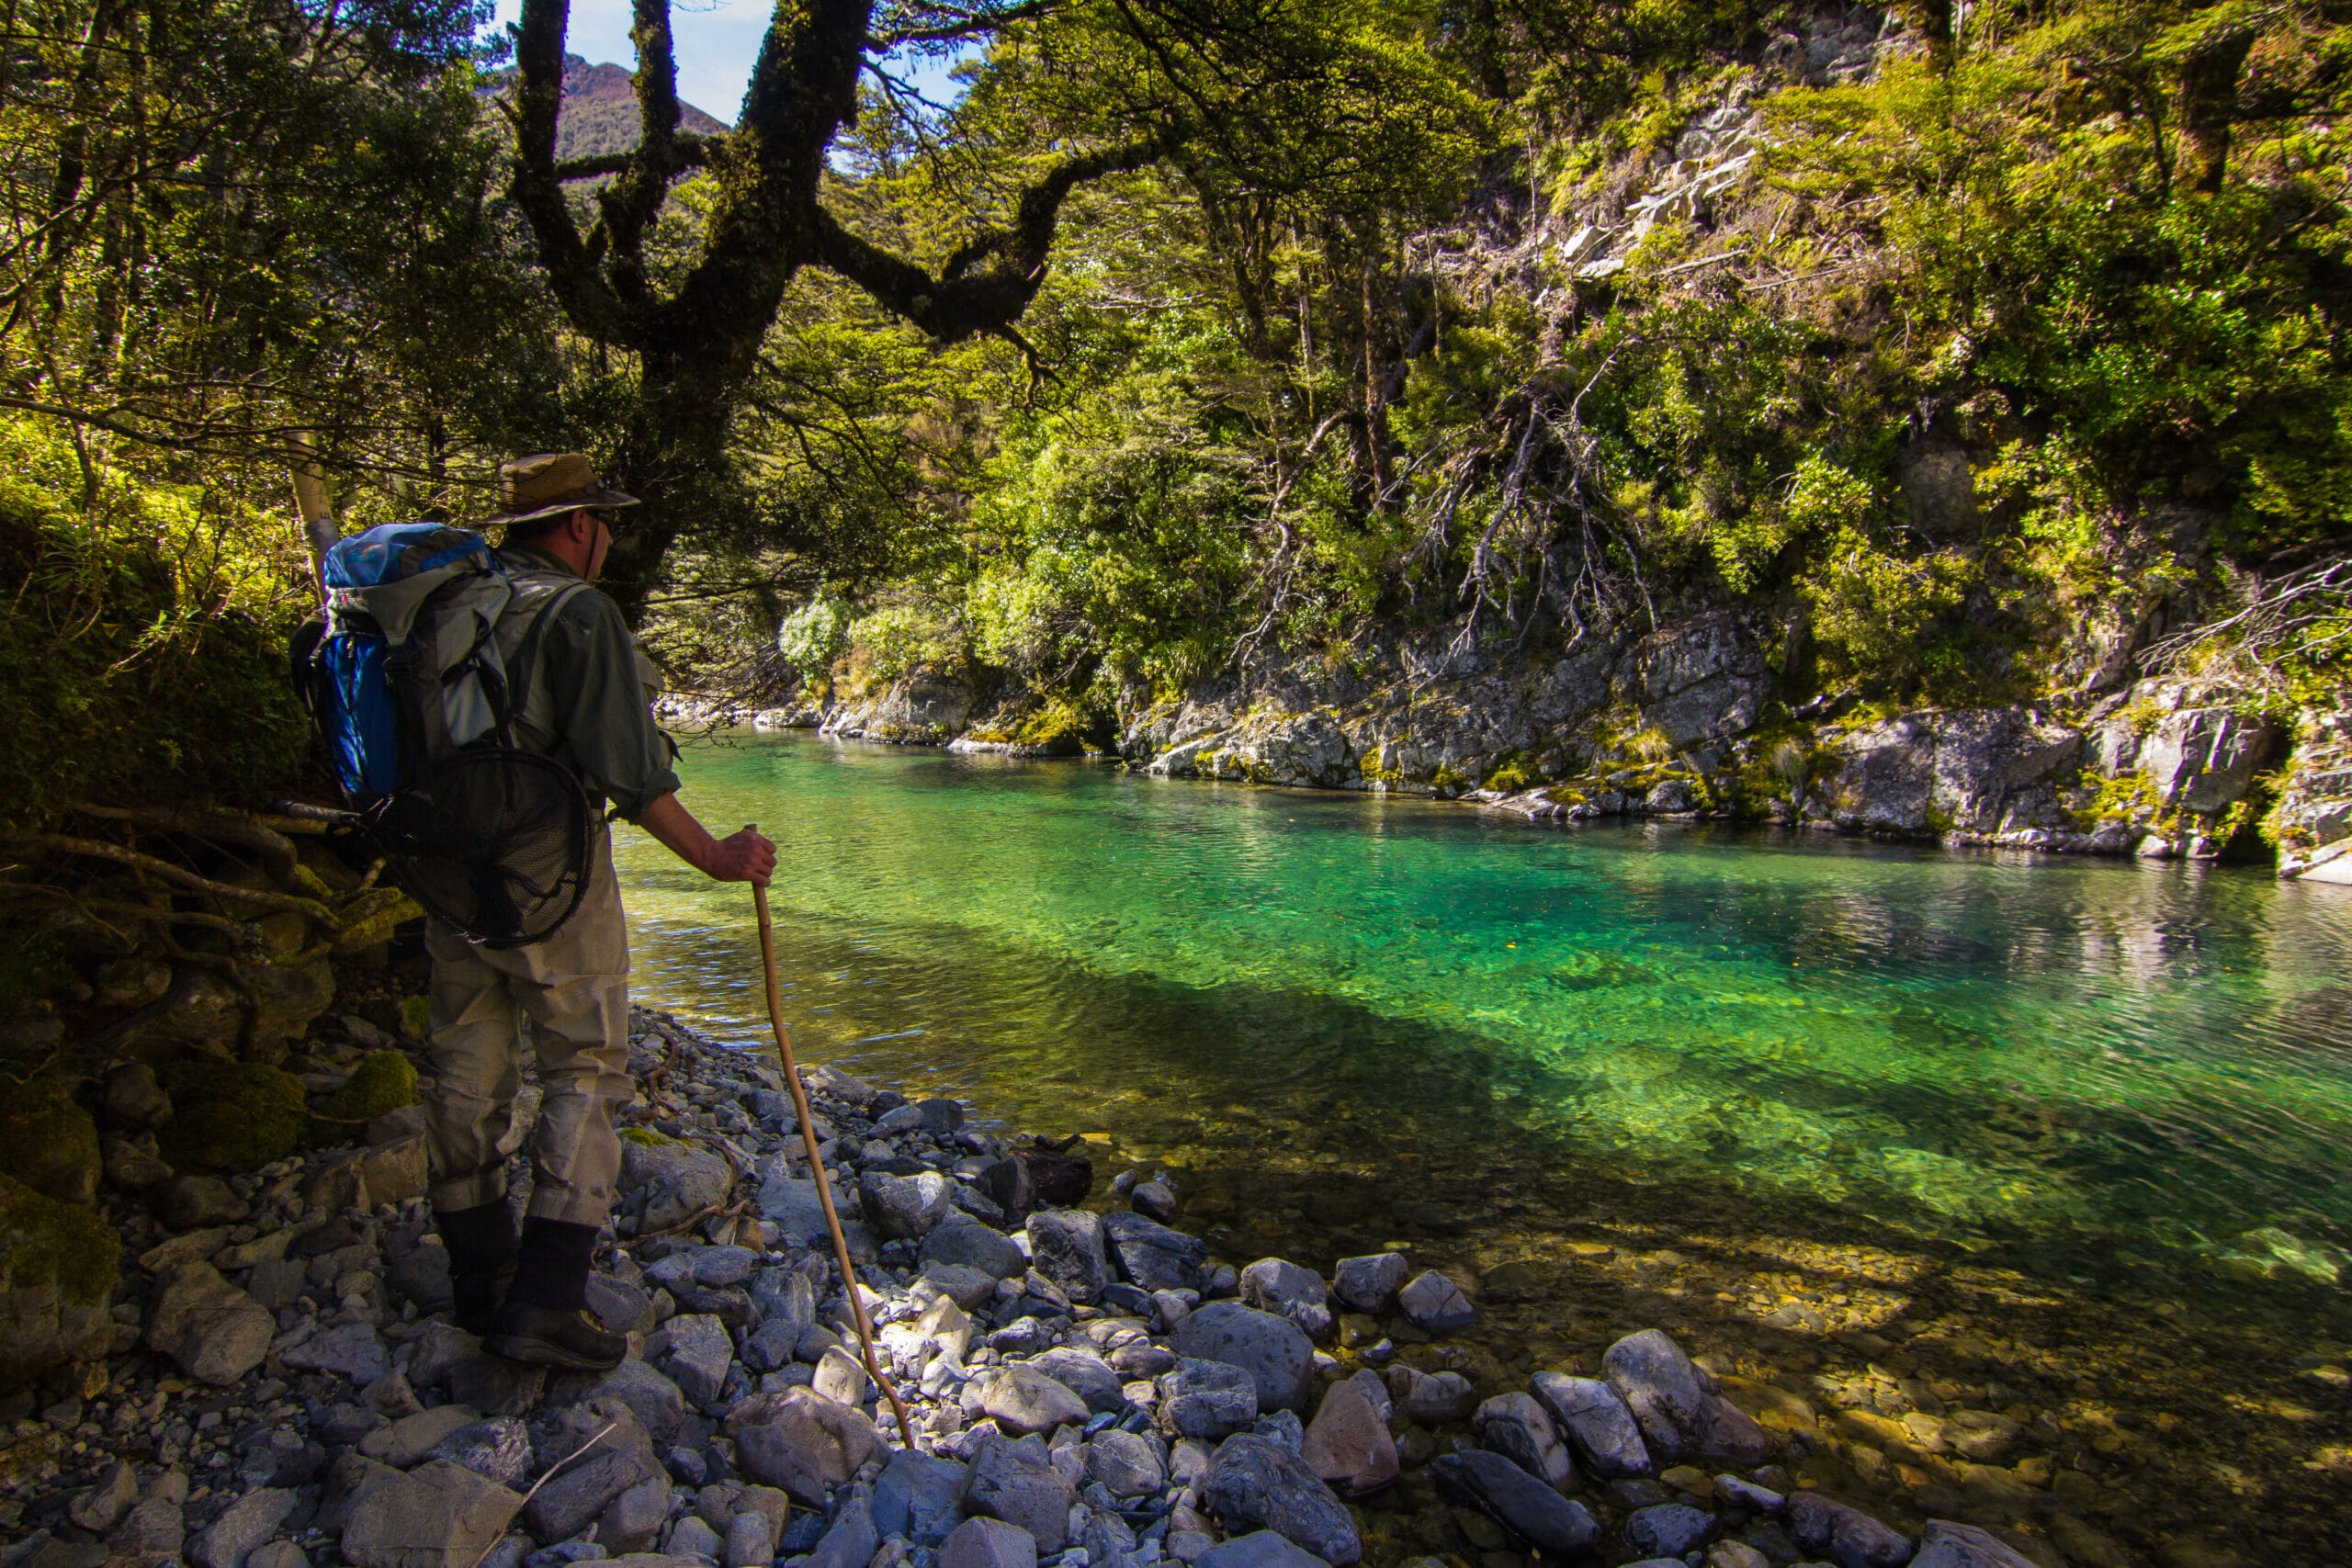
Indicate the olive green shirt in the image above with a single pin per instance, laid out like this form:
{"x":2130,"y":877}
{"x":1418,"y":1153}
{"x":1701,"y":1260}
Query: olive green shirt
{"x":591,"y":702}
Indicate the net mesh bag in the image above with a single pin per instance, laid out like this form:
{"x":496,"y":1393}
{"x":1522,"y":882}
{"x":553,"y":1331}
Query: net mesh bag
{"x":494,"y":842}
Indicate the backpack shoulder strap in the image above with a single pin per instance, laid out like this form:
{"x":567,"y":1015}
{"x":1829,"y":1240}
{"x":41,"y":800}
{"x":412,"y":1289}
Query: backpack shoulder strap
{"x":524,"y":666}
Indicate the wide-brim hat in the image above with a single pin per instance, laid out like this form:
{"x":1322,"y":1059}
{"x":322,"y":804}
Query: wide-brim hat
{"x":547,"y":484}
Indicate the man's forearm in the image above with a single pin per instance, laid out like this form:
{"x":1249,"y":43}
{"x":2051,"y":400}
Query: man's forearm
{"x":674,"y":828}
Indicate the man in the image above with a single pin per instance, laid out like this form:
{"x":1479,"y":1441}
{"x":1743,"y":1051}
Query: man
{"x":584,"y":698}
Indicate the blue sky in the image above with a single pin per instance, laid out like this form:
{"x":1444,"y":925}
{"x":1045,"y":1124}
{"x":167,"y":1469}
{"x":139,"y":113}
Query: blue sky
{"x":715,"y":40}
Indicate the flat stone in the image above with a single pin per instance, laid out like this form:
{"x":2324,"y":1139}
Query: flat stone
{"x":1154,"y":1258}
{"x":988,"y":1543}
{"x":839,"y":1377}
{"x":411,"y":1439}
{"x":568,"y":1501}
{"x":1944,"y":1544}
{"x":1279,"y":1286}
{"x":350,"y":1350}
{"x":1736,"y":1492}
{"x":622,"y":1307}
{"x":657,"y":1403}
{"x":102,"y":1507}
{"x":438,"y":1516}
{"x":1067,"y":1247}
{"x":1207,"y":1399}
{"x":1370,"y":1283}
{"x":244,"y":1525}
{"x":213,"y":1331}
{"x":1432,"y":1398}
{"x":187,"y":1203}
{"x":750,"y":1542}
{"x":1016,"y":1481}
{"x":850,"y":1542}
{"x":350,"y":1479}
{"x":919,"y":1498}
{"x":1435,"y":1303}
{"x":1254,"y":1483}
{"x":1517,"y":1501}
{"x":1668,"y":1529}
{"x":966,"y":1287}
{"x":1274,"y":1350}
{"x":1349,"y":1444}
{"x":691,"y":1540}
{"x":286,"y":1555}
{"x":1259,"y":1549}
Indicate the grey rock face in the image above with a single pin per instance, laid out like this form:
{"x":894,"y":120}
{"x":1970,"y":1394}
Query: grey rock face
{"x":968,"y":1243}
{"x":1125,"y":1464}
{"x":247,"y":1522}
{"x":919,"y":1498}
{"x":1668,"y":1530}
{"x":1985,"y":769}
{"x":1517,"y":1501}
{"x":1255,"y":1484}
{"x":988,"y":1543}
{"x":805,"y":1444}
{"x":695,"y":1353}
{"x":1436,"y":1304}
{"x":1853,"y":1537}
{"x":1349,"y":1444}
{"x":904,"y":1207}
{"x":214,"y":1331}
{"x":499,"y":1449}
{"x":1515,"y":1426}
{"x":438,"y":1516}
{"x":1017,"y":1482}
{"x":1370,"y":1283}
{"x":678,"y":1180}
{"x":1207,"y":1399}
{"x":1944,"y":1544}
{"x":1597,"y":1422}
{"x":1680,"y":1415}
{"x":1274,"y":1350}
{"x":1023,"y":1400}
{"x":1276,"y":1285}
{"x":1066,"y":1247}
{"x":1259,"y":1549}
{"x":1154,"y":1258}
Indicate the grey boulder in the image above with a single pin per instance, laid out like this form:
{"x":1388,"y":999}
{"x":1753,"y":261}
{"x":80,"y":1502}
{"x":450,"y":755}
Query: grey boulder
{"x":1254,"y":1483}
{"x":1259,"y":1549}
{"x":1154,"y":1258}
{"x":1279,"y":1286}
{"x":1021,"y":1400}
{"x":438,"y":1516}
{"x":244,"y":1525}
{"x":919,"y":1498}
{"x":1436,"y":1304}
{"x":1125,"y":1464}
{"x":214,"y":1331}
{"x":1680,"y":1415}
{"x":1349,"y":1444}
{"x":1086,"y":1375}
{"x":1515,"y":1426}
{"x":1370,"y":1283}
{"x":1274,"y":1350}
{"x":1016,"y":1481}
{"x":988,"y":1543}
{"x":1067,"y":1247}
{"x":1944,"y":1544}
{"x":1207,"y":1399}
{"x":968,"y":1243}
{"x":1598,"y":1424}
{"x":906,"y":1208}
{"x":1517,"y":1501}
{"x":1668,"y":1529}
{"x":1853,"y":1537}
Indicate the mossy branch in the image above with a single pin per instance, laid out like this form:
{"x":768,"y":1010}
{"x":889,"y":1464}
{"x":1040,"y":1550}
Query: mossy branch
{"x":97,"y":849}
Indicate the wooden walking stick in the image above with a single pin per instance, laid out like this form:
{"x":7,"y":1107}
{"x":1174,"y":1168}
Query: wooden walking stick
{"x":817,"y":1168}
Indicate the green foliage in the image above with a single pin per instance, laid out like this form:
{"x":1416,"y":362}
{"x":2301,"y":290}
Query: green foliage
{"x":1878,"y":612}
{"x":812,"y":637}
{"x":901,"y":637}
{"x":143,"y":658}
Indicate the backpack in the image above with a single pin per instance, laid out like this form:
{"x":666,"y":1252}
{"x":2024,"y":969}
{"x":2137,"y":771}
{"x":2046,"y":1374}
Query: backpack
{"x":410,"y":691}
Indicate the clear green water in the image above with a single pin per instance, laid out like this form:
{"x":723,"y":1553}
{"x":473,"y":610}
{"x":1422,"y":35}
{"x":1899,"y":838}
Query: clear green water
{"x":2087,"y":1065}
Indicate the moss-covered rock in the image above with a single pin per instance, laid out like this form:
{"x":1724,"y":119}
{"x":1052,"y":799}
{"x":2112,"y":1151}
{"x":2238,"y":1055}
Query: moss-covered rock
{"x":49,"y":1142}
{"x":58,"y":1265}
{"x":231,"y":1116}
{"x":384,"y":1080}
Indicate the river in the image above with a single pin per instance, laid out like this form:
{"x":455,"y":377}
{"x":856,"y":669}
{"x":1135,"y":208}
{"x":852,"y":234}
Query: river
{"x":1791,"y":1093}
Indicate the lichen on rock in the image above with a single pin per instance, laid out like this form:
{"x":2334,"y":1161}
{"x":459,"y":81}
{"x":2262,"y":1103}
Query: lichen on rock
{"x":58,"y":1265}
{"x":384,"y":1080}
{"x":231,"y":1115}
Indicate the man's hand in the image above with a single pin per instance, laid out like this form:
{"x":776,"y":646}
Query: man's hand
{"x":743,"y":856}
{"x":738,"y":857}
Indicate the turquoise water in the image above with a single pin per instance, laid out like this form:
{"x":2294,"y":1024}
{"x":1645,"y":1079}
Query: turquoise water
{"x":1366,"y":1017}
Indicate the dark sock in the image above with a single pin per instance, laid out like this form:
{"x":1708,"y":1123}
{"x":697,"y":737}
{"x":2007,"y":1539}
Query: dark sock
{"x":552,"y":1269}
{"x":480,"y":1240}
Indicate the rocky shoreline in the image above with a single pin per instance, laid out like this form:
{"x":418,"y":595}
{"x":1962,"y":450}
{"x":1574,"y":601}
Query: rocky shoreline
{"x":1684,"y":724}
{"x":1090,"y":1388}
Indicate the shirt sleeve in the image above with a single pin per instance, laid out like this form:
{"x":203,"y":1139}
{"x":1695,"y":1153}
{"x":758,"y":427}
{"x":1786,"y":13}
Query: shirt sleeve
{"x":607,"y":714}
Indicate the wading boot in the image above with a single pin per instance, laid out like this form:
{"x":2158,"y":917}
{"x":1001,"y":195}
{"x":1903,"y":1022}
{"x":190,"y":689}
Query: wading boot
{"x":545,"y":1318}
{"x":482,"y":1251}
